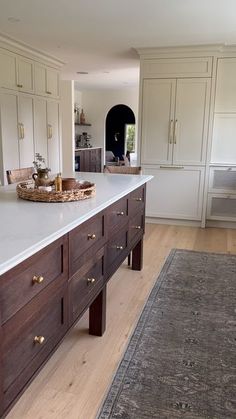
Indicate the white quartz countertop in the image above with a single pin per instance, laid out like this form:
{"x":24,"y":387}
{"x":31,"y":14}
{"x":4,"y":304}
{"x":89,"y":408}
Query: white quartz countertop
{"x":26,"y":227}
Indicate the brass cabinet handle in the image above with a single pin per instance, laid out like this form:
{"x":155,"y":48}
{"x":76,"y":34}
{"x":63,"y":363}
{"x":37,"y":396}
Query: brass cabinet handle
{"x":121,"y":213}
{"x":137,"y":227}
{"x":171,"y":132}
{"x":49,"y":131}
{"x":91,"y":281}
{"x":173,"y":167}
{"x":175,"y":131}
{"x":37,"y":279}
{"x":22,"y":131}
{"x":48,"y":92}
{"x":119,"y":247}
{"x":92,"y":236}
{"x":137,"y":199}
{"x":19,"y":131}
{"x":19,"y":85}
{"x":39,"y":339}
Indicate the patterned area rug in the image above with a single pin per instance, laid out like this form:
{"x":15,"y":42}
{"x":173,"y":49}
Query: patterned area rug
{"x":181,"y":359}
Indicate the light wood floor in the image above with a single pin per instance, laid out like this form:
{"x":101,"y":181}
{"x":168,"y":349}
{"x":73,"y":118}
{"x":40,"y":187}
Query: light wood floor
{"x":74,"y":381}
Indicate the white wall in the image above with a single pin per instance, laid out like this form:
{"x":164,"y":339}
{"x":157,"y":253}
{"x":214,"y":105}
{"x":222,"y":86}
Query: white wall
{"x":67,"y":125}
{"x":97,"y":103}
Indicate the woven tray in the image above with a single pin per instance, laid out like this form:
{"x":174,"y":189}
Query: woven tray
{"x":84,"y":190}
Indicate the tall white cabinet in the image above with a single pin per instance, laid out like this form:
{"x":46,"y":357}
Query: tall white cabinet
{"x":29,"y":108}
{"x":174,"y":114}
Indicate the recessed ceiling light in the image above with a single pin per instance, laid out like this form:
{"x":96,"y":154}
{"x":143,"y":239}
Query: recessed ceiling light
{"x":82,"y":72}
{"x":13,"y":19}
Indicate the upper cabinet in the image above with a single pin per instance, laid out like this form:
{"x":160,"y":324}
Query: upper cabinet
{"x":225,"y":100}
{"x":7,"y":69}
{"x":46,"y":81}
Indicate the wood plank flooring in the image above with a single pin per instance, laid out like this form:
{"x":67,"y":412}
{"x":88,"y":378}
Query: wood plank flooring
{"x":74,"y":381}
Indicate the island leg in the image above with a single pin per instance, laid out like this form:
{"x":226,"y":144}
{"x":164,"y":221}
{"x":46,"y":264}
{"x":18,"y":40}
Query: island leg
{"x":137,"y":256}
{"x":97,"y":314}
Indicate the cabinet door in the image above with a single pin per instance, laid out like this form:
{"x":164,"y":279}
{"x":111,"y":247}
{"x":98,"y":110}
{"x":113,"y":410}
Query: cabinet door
{"x":52,"y":82}
{"x":53,"y":136}
{"x":26,"y":140}
{"x":9,"y":133}
{"x":191,"y":121}
{"x":40,"y":127}
{"x":223,"y":141}
{"x":225,"y":100}
{"x":25,"y":75}
{"x":175,"y":193}
{"x":7,"y":70}
{"x":157,"y":120}
{"x":40,"y":79}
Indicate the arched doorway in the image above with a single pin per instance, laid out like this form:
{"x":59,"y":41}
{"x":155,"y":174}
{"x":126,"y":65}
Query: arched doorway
{"x":120,"y":131}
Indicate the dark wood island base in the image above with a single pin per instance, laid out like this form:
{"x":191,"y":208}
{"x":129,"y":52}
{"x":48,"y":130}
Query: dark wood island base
{"x":44,"y":296}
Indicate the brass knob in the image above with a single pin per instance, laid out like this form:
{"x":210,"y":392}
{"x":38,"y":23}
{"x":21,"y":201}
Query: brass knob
{"x":137,"y":227}
{"x":37,"y":279}
{"x":138,"y":199}
{"x":121,"y":213}
{"x":119,"y":247}
{"x":39,"y":339}
{"x":91,"y":280}
{"x":19,"y":85}
{"x":92,"y":236}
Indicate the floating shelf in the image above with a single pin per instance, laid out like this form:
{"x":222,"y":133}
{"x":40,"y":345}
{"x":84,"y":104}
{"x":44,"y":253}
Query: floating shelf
{"x":83,"y":125}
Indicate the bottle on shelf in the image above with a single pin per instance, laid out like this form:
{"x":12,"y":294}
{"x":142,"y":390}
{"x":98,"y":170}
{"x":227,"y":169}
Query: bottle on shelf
{"x":82,"y":117}
{"x":58,"y":183}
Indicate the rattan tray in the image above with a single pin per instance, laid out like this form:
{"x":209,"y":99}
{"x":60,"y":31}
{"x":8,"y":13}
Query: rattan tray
{"x":84,"y":190}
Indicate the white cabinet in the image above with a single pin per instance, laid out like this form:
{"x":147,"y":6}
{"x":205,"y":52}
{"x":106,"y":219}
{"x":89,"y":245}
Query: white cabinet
{"x":175,"y":121}
{"x":224,"y":138}
{"x":16,"y":72}
{"x":46,"y":81}
{"x":175,"y":193}
{"x":17,"y":137}
{"x":46,"y":128}
{"x":225,"y":100}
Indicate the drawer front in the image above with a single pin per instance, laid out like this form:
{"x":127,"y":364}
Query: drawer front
{"x":85,"y":285}
{"x":117,"y":214}
{"x":136,"y":200}
{"x":117,"y":249}
{"x":19,"y":285}
{"x":88,"y":236}
{"x":29,"y":337}
{"x":136,"y":227}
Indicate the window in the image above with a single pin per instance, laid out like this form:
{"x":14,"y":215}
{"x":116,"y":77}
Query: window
{"x":130,"y":138}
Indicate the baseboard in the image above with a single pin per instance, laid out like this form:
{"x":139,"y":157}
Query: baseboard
{"x":221,"y":224}
{"x":170,"y":221}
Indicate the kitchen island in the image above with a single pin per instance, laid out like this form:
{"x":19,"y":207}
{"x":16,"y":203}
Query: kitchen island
{"x":55,"y":261}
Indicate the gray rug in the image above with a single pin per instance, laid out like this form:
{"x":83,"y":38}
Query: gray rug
{"x":181,"y":359}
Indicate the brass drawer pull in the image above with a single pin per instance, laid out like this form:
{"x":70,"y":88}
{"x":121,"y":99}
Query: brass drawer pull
{"x":19,"y":85}
{"x":137,"y":199}
{"x":121,"y":213}
{"x":91,"y":281}
{"x":39,"y":339}
{"x":92,"y":236}
{"x":119,"y":247}
{"x":37,"y":279}
{"x":137,"y":227}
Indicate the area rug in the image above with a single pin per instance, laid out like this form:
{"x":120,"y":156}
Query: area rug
{"x":181,"y":359}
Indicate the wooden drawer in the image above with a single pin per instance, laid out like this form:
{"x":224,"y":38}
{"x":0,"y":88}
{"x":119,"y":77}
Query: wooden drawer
{"x":136,"y":200}
{"x":19,"y":285}
{"x":85,"y":285}
{"x":88,"y":236}
{"x":117,"y":214}
{"x":117,"y":250}
{"x":136,"y":227}
{"x":44,"y":316}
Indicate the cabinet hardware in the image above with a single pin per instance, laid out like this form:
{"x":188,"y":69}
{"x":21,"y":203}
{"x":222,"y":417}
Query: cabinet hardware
{"x":19,"y":131}
{"x":175,"y":131}
{"x":91,"y":281}
{"x":22,"y":131}
{"x":137,"y":199}
{"x":121,"y":213}
{"x":137,"y":227}
{"x":19,"y":85}
{"x":171,"y":132}
{"x":92,"y":236}
{"x":48,"y":92}
{"x":119,"y":247}
{"x":173,"y":167}
{"x":49,"y":131}
{"x":37,"y":279}
{"x":39,"y":339}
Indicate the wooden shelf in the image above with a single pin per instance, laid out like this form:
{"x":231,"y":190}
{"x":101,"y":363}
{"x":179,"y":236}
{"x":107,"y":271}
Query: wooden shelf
{"x":83,"y":125}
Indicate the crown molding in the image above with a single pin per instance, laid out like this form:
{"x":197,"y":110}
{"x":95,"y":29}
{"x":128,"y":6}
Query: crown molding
{"x":181,"y":51}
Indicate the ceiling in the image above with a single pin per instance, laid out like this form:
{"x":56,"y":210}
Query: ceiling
{"x":100,"y":36}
